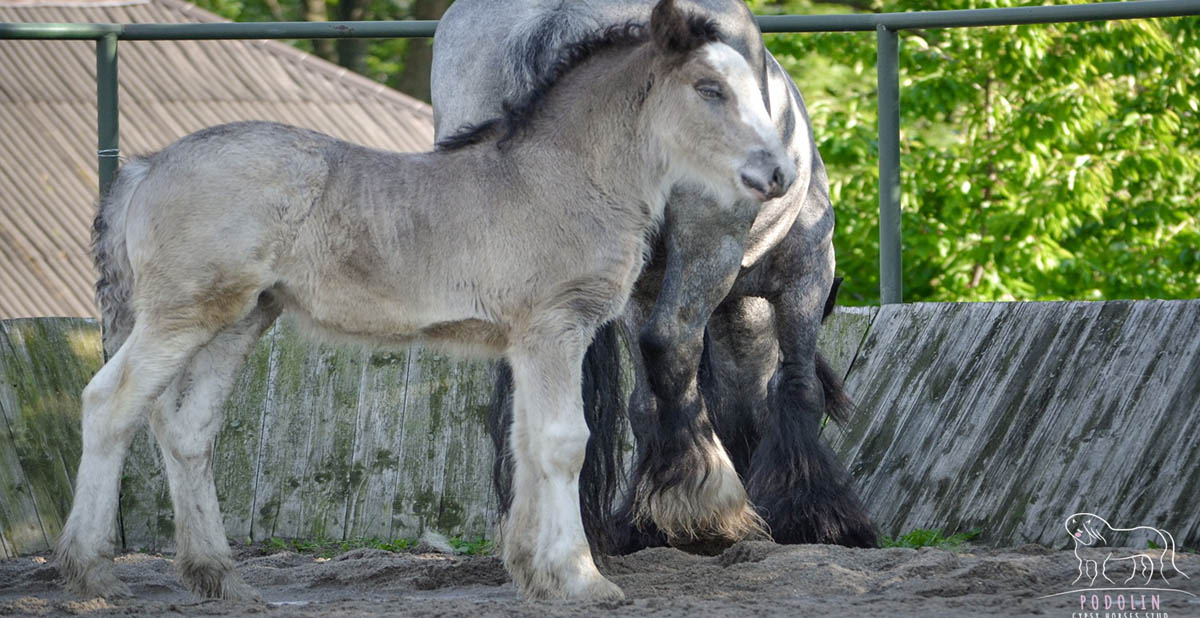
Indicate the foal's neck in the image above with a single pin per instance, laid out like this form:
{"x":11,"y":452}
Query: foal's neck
{"x":591,"y":130}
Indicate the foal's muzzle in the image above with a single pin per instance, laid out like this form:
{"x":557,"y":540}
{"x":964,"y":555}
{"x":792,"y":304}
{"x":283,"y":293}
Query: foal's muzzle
{"x":766,"y":176}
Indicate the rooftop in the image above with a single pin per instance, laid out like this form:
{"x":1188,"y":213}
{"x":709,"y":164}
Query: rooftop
{"x":48,"y":178}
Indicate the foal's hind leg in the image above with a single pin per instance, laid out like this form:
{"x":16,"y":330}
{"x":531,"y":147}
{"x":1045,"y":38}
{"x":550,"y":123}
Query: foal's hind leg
{"x":114,"y":404}
{"x":542,"y":538}
{"x":185,"y":421}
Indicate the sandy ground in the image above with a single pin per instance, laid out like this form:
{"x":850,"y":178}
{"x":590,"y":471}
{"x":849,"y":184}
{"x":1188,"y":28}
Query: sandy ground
{"x":752,"y":580}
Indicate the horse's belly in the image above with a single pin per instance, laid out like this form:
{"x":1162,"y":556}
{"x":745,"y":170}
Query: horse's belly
{"x":470,"y":332}
{"x":386,"y":317}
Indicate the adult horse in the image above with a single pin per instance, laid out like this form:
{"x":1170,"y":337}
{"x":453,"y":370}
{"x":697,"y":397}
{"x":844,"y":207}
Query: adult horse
{"x":518,"y":240}
{"x":755,"y":283}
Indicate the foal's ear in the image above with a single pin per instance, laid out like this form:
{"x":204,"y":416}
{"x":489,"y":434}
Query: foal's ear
{"x":676,"y":32}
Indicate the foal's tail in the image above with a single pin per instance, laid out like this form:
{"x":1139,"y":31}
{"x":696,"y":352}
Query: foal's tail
{"x":604,"y":410}
{"x":115,"y":285}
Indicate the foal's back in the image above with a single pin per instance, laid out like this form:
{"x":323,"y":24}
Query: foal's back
{"x":359,"y":242}
{"x":328,"y":226}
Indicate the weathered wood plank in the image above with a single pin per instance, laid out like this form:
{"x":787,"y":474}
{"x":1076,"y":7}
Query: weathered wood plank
{"x":240,"y":441}
{"x":7,"y":549}
{"x":285,"y":441}
{"x":467,"y":480}
{"x":445,"y":460}
{"x":20,"y":527}
{"x":839,"y":341}
{"x":146,"y":519}
{"x":842,"y":334}
{"x":326,"y":486}
{"x":304,"y":480}
{"x":44,"y":365}
{"x":1009,"y":417}
{"x":379,"y":436}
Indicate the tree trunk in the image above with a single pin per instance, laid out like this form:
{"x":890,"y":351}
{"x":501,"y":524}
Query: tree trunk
{"x":418,"y":57}
{"x":352,"y":53}
{"x":314,"y":10}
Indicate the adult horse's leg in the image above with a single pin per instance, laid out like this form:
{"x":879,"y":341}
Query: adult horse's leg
{"x":795,"y":480}
{"x":684,"y":486}
{"x":185,"y":420}
{"x":542,"y":539}
{"x":114,"y":404}
{"x":741,"y":355}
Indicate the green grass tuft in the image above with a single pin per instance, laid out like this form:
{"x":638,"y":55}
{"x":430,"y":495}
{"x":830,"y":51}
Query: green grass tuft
{"x":928,"y":538}
{"x":478,"y":547}
{"x":328,"y":548}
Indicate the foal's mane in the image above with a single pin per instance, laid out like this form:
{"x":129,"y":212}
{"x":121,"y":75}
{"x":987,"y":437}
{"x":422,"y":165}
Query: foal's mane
{"x":691,"y":32}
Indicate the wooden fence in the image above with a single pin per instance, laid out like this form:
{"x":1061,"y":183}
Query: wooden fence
{"x":1000,"y":417}
{"x":1007,"y":418}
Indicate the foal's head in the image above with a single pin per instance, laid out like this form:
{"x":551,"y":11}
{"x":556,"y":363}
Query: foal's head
{"x":707,"y":112}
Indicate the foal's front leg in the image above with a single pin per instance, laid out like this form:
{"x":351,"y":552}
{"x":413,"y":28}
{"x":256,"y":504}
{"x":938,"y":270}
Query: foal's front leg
{"x":542,"y":538}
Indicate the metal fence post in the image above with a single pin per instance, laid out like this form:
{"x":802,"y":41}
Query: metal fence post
{"x":108,"y":148}
{"x":888,"y":67}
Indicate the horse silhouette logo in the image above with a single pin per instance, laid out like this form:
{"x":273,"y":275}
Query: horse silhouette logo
{"x":1102,"y":549}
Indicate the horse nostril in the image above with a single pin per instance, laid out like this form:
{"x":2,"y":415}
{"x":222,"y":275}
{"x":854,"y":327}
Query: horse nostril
{"x":777,"y":179}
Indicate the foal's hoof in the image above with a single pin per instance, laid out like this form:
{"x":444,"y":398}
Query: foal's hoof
{"x":596,"y":589}
{"x":218,"y":583}
{"x":578,"y":587}
{"x":96,"y":579}
{"x":234,"y":589}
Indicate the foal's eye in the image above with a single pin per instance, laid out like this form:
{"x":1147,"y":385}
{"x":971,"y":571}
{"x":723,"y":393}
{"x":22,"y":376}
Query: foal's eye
{"x":709,"y":90}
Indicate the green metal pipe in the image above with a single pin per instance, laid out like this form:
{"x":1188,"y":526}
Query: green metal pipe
{"x":88,"y":32}
{"x":222,"y":30}
{"x":891,"y":288}
{"x":1130,"y":9}
{"x":108,"y":147}
{"x":1013,"y":16}
{"x":280,"y":30}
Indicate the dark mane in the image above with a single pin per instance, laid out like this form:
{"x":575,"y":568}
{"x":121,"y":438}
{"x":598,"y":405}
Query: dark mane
{"x":519,"y":113}
{"x":469,"y":134}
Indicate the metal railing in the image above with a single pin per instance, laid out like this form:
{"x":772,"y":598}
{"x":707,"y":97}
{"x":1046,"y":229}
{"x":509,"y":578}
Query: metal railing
{"x":886,"y":26}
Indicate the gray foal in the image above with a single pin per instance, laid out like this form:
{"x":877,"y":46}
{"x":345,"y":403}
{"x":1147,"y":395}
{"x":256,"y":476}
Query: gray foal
{"x":519,"y":240}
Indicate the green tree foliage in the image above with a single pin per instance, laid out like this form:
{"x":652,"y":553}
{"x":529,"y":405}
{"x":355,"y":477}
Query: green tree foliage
{"x":1038,"y":162}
